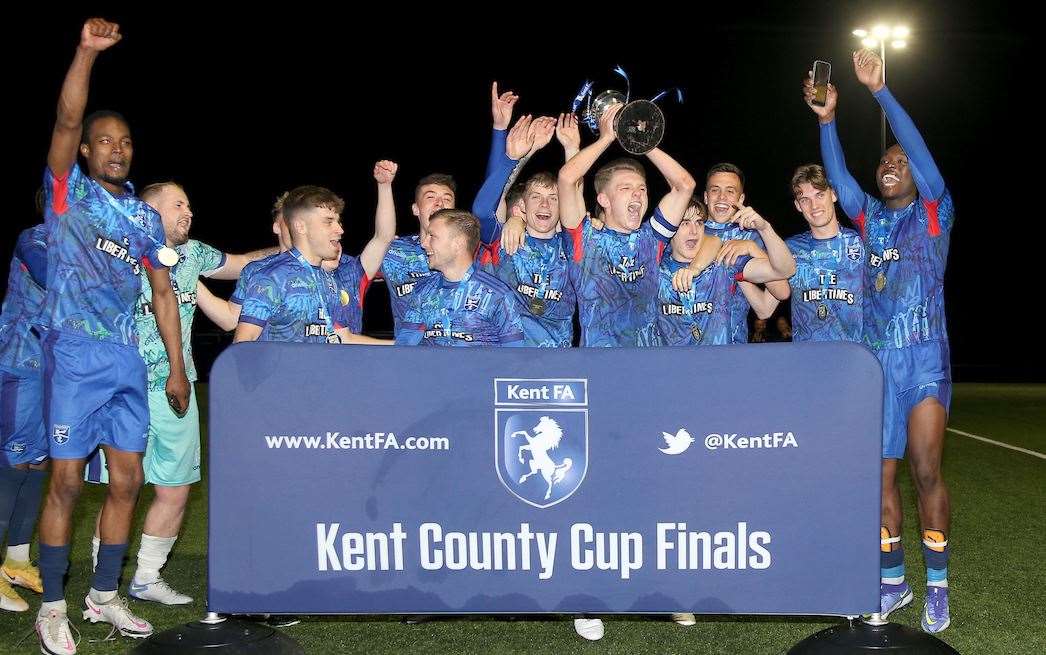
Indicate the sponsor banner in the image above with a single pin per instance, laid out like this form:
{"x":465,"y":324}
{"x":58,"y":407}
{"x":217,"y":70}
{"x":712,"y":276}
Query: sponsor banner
{"x":726,"y":480}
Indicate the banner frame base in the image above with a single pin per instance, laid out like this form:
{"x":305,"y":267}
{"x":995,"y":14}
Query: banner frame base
{"x":856,"y":636}
{"x":214,"y":635}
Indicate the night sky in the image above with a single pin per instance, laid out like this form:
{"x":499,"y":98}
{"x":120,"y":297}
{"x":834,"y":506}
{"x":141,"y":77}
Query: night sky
{"x":241,"y":107}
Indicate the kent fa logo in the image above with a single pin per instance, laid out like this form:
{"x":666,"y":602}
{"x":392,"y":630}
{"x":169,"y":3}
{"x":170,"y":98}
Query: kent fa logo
{"x":60,"y":434}
{"x":541,"y":438}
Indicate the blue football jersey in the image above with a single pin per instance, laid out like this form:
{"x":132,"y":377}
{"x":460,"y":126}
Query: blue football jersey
{"x":739,"y":303}
{"x":540,"y":274}
{"x":97,"y":245}
{"x":478,"y":310}
{"x":292,"y":300}
{"x":828,"y":287}
{"x":701,"y":316}
{"x":907,"y":250}
{"x":19,"y":346}
{"x":404,"y":265}
{"x":616,"y":279}
{"x":353,"y":279}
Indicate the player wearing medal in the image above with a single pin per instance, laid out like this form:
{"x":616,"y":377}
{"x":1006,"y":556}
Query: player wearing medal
{"x":99,"y":237}
{"x":459,"y":305}
{"x":615,"y":268}
{"x":292,"y":297}
{"x":353,"y":274}
{"x":695,"y":309}
{"x":906,"y":235}
{"x":23,"y":443}
{"x":724,"y":197}
{"x":538,"y":270}
{"x":827,"y":289}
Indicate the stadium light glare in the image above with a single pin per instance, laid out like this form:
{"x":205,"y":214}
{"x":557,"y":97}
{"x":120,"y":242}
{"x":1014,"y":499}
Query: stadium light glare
{"x":898,"y":44}
{"x":860,"y":34}
{"x":881,"y":31}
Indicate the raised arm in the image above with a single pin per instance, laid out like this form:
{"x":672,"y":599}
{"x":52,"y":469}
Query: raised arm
{"x":514,"y":230}
{"x":97,"y":35}
{"x":849,"y":192}
{"x":501,"y":111}
{"x":568,"y":132}
{"x":570,"y":211}
{"x":868,"y":67}
{"x":384,"y":219}
{"x":515,"y":146}
{"x":681,"y":185}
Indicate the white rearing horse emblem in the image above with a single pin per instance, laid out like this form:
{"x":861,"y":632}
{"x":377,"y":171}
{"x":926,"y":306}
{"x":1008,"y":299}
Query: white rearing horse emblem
{"x":547,"y":435}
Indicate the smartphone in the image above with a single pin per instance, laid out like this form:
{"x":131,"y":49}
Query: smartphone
{"x":822,"y":74}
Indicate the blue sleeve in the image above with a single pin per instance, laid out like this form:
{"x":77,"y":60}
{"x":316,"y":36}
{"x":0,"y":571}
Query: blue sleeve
{"x":849,"y":192}
{"x":739,"y":266}
{"x":497,"y":149}
{"x":259,"y":303}
{"x":927,"y":177}
{"x":485,"y":206}
{"x":32,"y":251}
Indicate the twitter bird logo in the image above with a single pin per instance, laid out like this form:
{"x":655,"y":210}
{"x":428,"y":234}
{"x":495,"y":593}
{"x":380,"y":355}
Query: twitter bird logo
{"x":677,"y":442}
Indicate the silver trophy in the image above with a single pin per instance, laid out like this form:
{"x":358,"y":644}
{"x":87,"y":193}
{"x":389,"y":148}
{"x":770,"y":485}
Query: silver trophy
{"x":640,"y":124}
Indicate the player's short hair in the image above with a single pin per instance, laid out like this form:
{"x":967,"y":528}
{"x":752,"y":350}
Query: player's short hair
{"x":94,"y":117}
{"x":277,"y":206}
{"x":437,"y":178}
{"x":812,"y":174}
{"x":726,"y":167}
{"x":150,"y":191}
{"x":604,"y":174}
{"x":304,"y":198}
{"x":464,"y":223}
{"x":696,"y":203}
{"x":542,"y":179}
{"x":515,"y":193}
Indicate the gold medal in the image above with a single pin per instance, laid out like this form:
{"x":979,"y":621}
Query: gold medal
{"x":537,"y":306}
{"x":696,"y":332}
{"x":822,"y":312}
{"x":880,"y":281}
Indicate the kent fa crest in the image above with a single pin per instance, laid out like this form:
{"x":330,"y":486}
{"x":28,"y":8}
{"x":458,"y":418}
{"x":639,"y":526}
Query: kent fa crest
{"x":541,"y":438}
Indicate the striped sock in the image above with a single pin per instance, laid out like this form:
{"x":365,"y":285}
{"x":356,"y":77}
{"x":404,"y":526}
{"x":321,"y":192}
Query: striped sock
{"x":891,"y":558}
{"x":935,"y":554}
